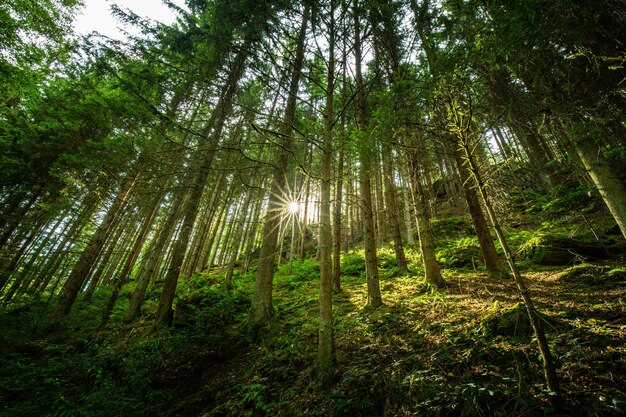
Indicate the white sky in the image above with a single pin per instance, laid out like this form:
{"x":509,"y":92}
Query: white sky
{"x":96,"y":15}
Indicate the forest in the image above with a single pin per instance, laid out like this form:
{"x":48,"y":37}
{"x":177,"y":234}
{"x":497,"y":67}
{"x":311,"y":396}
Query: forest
{"x":314,"y":208}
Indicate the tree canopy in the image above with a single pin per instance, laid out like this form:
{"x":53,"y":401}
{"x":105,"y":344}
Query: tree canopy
{"x":278,"y":185}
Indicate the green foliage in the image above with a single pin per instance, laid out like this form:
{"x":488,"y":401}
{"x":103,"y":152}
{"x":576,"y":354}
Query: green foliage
{"x":32,"y":35}
{"x":360,"y":393}
{"x":567,"y":199}
{"x":353,"y":264}
{"x":210,"y":310}
{"x":452,"y":227}
{"x":589,"y":274}
{"x":464,"y":253}
{"x":511,"y":321}
{"x":544,"y":247}
{"x":302,"y":272}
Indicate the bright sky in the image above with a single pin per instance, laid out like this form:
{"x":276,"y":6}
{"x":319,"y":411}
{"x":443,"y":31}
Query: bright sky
{"x":96,"y":15}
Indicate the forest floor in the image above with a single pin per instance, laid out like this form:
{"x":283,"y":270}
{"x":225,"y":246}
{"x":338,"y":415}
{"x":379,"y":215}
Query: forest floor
{"x":465,"y":350}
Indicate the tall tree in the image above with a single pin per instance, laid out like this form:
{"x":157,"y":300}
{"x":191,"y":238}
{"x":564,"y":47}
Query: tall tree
{"x":262,"y":309}
{"x":374,"y":297}
{"x":326,"y":350}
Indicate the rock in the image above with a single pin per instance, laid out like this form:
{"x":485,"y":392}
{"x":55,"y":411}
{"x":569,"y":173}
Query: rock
{"x":593,"y":274}
{"x":613,"y":231}
{"x":149,"y":308}
{"x":551,"y":250}
{"x":512,"y":321}
{"x":467,"y":256}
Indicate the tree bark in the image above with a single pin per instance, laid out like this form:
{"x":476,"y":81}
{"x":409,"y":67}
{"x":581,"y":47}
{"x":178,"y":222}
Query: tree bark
{"x":392,"y":206}
{"x":153,"y":254}
{"x":424,"y":232}
{"x":374,"y":297}
{"x":164,"y":314}
{"x":606,"y":180}
{"x":88,"y":257}
{"x":262,"y":309}
{"x":124,"y":275}
{"x":326,"y":348}
{"x":549,"y":363}
{"x":493,"y":262}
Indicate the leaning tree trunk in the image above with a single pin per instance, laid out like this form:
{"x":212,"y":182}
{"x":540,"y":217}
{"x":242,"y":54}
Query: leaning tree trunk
{"x":124,"y":275}
{"x":262,"y":309}
{"x":15,"y":219}
{"x":21,"y":282}
{"x":90,"y":254}
{"x":424,"y":231}
{"x":153,"y":254}
{"x":606,"y":180}
{"x":164,"y":314}
{"x":459,"y":125}
{"x":493,"y":262}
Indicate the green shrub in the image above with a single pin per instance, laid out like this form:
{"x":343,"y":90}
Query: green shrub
{"x":570,"y":199}
{"x":460,"y":253}
{"x":452,"y":227}
{"x":511,"y":321}
{"x":353,"y":264}
{"x":590,"y":274}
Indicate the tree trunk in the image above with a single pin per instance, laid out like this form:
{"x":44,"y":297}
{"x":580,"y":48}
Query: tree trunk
{"x":20,"y":281}
{"x":91,"y":252}
{"x":606,"y":180}
{"x":326,"y":348}
{"x":549,"y":364}
{"x":151,"y":258}
{"x":392,"y":206}
{"x":424,"y":231}
{"x":493,"y":262}
{"x":124,"y":275}
{"x":262,"y":309}
{"x":164,"y":314}
{"x":105,"y":258}
{"x":407,"y":216}
{"x":374,"y":297}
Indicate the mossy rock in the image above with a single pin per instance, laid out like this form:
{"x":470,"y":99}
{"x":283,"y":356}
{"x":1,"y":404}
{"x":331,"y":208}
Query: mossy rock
{"x":460,"y":257}
{"x":467,"y":256}
{"x":613,"y":231}
{"x":353,"y":265}
{"x":149,"y":308}
{"x":453,"y":226}
{"x":593,"y":274}
{"x":512,"y":321}
{"x":554,"y":250}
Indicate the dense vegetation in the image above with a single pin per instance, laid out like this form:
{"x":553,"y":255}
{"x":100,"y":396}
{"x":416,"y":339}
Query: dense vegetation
{"x":377,"y":207}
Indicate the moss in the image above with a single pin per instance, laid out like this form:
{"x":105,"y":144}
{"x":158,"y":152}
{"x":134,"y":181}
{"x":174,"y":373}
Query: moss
{"x":460,"y":253}
{"x":590,"y":274}
{"x":453,"y":226}
{"x":545,"y":249}
{"x":511,"y":321}
{"x":149,"y":308}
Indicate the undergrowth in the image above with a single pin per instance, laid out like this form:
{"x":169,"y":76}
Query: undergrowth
{"x":463,"y":350}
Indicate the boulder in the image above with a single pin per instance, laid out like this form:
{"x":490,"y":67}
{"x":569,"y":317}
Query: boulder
{"x":512,"y":321}
{"x":552,"y":250}
{"x":593,"y":274}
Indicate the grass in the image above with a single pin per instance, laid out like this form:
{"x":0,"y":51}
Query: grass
{"x":423,"y":353}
